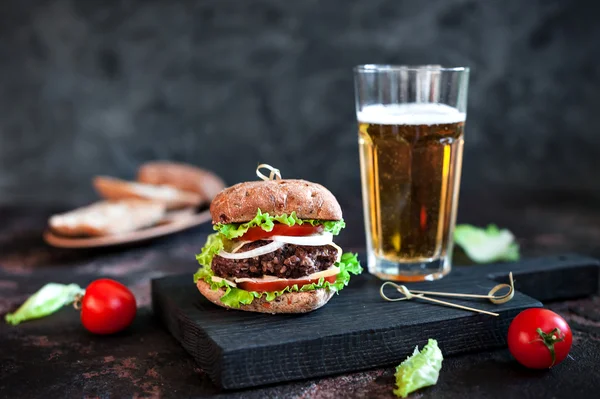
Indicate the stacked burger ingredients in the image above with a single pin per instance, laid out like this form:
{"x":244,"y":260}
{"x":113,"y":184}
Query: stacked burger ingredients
{"x":273,"y":251}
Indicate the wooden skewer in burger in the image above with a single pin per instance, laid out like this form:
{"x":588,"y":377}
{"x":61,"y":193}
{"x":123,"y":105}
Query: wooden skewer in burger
{"x":273,"y":251}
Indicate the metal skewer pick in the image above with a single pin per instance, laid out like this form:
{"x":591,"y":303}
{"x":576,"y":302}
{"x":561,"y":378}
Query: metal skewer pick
{"x":421,"y":295}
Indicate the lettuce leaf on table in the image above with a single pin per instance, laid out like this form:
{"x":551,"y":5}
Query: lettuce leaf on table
{"x":419,"y":370}
{"x":486,"y":245}
{"x":44,"y":302}
{"x":266,"y":222}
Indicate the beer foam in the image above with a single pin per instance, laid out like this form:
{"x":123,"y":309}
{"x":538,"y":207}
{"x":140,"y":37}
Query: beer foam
{"x":410,"y":114}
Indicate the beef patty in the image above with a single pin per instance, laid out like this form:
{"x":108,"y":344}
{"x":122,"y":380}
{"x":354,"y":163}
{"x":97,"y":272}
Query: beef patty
{"x":289,"y":261}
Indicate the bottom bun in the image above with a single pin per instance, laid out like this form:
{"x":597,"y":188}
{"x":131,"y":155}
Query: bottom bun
{"x":290,"y":302}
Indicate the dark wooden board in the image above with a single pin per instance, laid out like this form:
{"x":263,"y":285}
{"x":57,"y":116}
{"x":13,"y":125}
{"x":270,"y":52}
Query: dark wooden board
{"x":358,"y":330}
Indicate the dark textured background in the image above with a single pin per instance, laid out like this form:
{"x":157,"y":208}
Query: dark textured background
{"x":90,"y":87}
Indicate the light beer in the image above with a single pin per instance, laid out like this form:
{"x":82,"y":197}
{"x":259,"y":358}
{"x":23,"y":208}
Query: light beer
{"x":411,"y":157}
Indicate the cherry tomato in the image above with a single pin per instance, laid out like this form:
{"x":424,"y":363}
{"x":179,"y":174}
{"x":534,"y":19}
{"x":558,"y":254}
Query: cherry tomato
{"x":539,"y":338}
{"x":107,"y":307}
{"x":278,"y":285}
{"x":256,"y":233}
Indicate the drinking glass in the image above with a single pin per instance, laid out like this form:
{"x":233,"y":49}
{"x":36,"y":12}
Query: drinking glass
{"x":411,"y":122}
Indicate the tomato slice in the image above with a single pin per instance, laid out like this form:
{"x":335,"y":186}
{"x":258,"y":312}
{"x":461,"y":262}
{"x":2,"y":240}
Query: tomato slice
{"x":298,"y":230}
{"x":278,"y":285}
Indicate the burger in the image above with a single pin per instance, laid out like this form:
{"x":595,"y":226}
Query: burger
{"x":273,"y":250}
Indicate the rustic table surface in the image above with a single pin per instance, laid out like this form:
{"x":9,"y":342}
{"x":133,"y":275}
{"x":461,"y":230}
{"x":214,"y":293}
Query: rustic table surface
{"x":55,"y":357}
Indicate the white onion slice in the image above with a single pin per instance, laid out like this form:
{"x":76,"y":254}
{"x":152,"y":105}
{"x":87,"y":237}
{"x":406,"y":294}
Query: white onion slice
{"x":338,"y":256}
{"x":324,"y":238}
{"x":265,"y":249}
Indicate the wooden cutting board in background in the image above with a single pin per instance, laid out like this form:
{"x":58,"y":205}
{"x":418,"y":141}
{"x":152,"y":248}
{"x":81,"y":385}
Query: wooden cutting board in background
{"x":357,"y":329}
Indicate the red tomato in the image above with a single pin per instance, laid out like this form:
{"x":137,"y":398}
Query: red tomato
{"x":256,"y":233}
{"x":107,"y":307}
{"x":280,"y":284}
{"x":539,"y":338}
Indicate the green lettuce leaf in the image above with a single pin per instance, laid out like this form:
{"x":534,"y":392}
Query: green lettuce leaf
{"x":419,"y":370}
{"x":214,"y":244}
{"x":235,"y":297}
{"x":486,"y":245}
{"x":266,"y":222}
{"x":46,"y":301}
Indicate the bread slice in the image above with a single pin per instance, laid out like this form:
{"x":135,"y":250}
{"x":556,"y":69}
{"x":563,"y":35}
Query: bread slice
{"x":173,"y":198}
{"x":108,"y":218}
{"x":290,"y":302}
{"x":182,"y":176}
{"x":239,"y":203}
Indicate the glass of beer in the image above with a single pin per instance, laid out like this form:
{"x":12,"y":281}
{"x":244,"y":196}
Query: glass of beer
{"x":411,"y":123}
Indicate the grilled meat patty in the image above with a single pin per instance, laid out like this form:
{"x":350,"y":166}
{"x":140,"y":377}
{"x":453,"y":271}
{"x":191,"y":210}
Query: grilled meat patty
{"x":289,"y":261}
